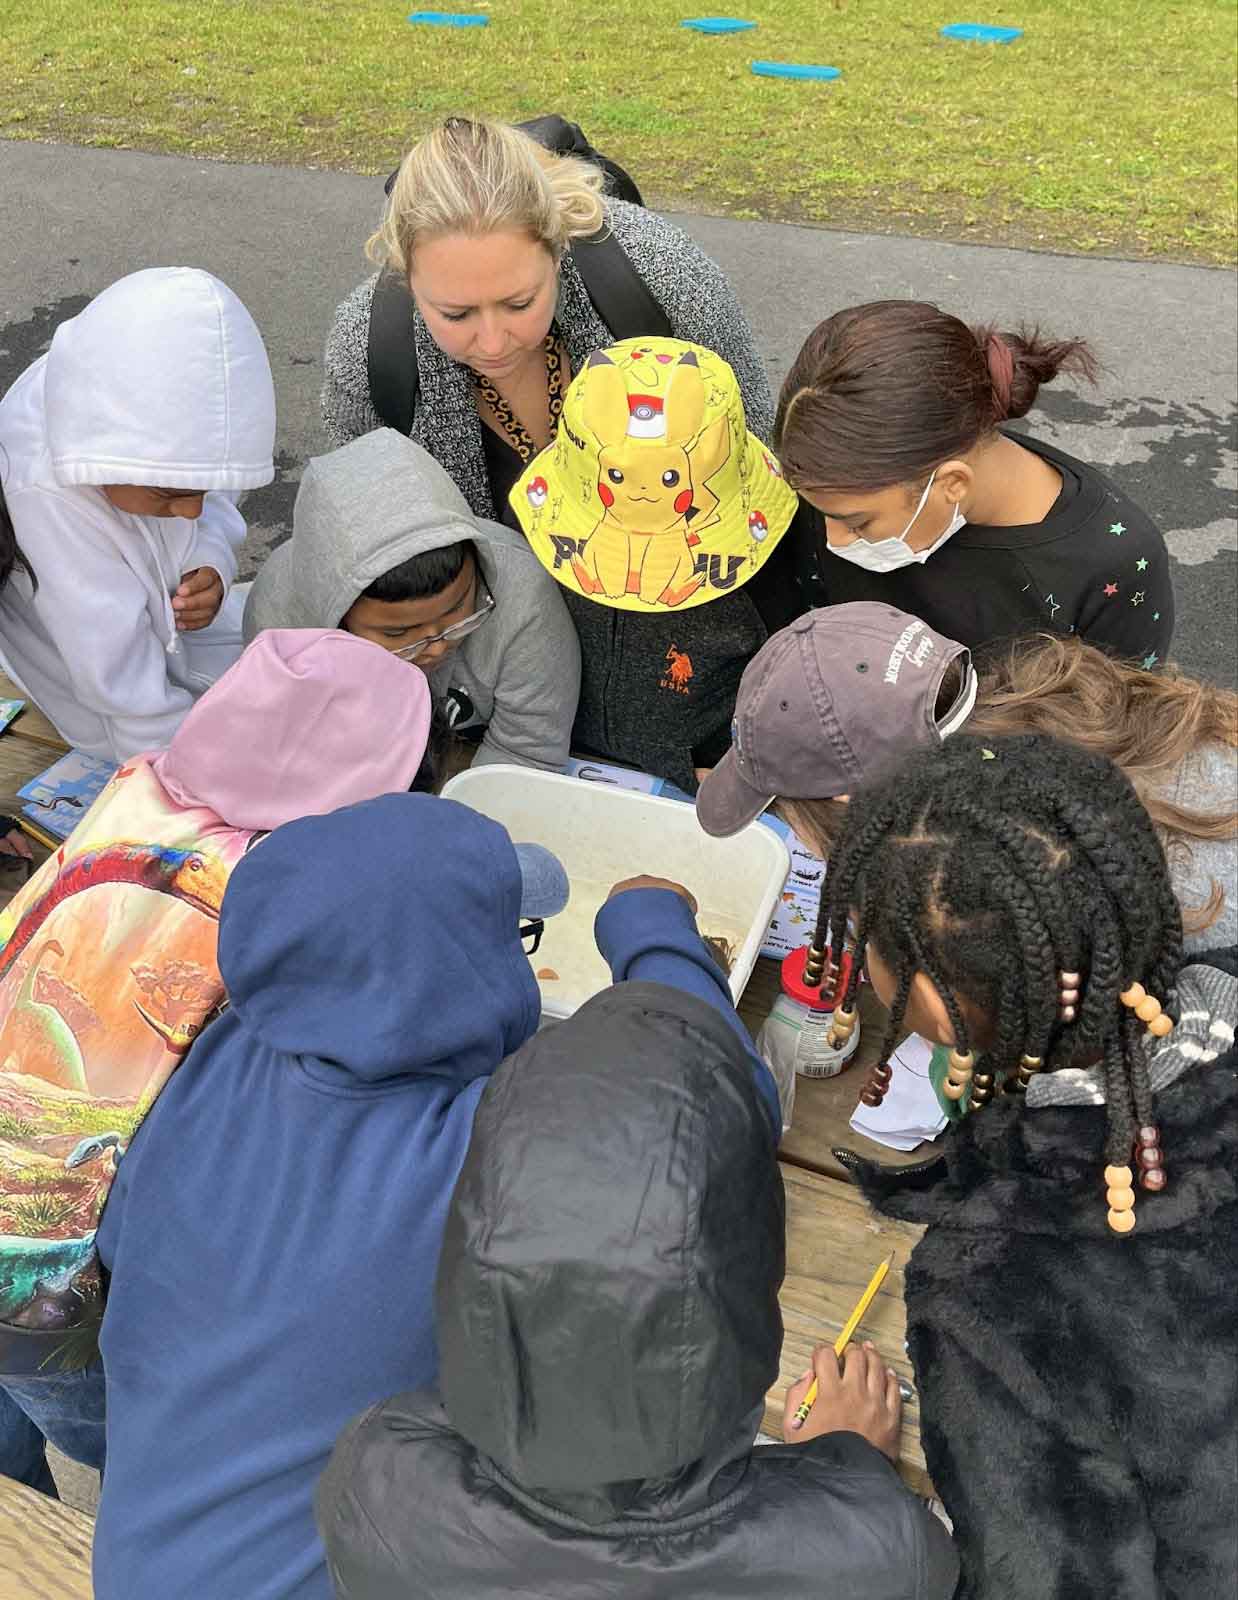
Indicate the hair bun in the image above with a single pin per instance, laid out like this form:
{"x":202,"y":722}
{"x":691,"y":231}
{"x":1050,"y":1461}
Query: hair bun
{"x":1001,"y":370}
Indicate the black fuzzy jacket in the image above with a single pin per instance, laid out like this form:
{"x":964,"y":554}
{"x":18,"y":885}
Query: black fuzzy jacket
{"x":608,"y":1325}
{"x":1079,"y":1390}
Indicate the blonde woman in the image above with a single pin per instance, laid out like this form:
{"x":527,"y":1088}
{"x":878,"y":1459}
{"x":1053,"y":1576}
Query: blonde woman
{"x":832,"y":703}
{"x":486,"y":227}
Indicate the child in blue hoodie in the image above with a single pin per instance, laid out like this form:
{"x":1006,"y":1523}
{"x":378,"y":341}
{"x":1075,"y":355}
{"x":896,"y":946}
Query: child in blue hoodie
{"x":273,"y":1230}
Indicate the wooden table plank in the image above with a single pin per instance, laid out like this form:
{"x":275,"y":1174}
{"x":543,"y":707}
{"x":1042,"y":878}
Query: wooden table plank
{"x":823,"y":1106}
{"x":44,"y":1547}
{"x":31,"y":723}
{"x":20,"y":760}
{"x":834,"y":1243}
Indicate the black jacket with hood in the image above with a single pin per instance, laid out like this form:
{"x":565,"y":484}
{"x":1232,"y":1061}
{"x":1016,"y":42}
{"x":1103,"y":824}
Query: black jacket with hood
{"x":608,"y":1325}
{"x":1079,"y":1389}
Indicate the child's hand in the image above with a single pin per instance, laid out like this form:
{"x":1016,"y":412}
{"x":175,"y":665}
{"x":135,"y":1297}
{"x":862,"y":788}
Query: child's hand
{"x":643,"y":881}
{"x":199,"y":597}
{"x":863,"y":1398}
{"x":13,"y":841}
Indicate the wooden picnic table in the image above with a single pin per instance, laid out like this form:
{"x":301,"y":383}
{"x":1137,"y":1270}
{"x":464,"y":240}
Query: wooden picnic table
{"x":30,"y":723}
{"x":834,"y":1240}
{"x":834,"y":1243}
{"x":28,"y":746}
{"x":44,"y":1547}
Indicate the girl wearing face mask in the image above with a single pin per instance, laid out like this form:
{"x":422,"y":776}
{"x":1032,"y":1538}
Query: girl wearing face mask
{"x":889,"y":423}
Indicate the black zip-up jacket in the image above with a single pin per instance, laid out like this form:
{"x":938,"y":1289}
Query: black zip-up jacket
{"x":608,"y":1324}
{"x":657,"y":691}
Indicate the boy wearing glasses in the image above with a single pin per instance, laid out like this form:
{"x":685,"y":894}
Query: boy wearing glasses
{"x":384,"y":545}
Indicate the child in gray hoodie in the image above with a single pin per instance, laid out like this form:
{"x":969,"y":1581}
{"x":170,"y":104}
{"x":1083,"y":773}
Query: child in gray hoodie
{"x":384,"y":545}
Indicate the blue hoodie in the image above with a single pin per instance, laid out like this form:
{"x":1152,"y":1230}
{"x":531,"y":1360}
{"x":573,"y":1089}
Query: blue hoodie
{"x":274,"y":1229}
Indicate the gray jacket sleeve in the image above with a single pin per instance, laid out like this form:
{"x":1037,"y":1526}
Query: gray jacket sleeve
{"x":538,"y":682}
{"x":698,"y":300}
{"x":346,"y":409}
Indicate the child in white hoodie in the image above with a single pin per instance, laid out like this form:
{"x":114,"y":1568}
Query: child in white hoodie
{"x":124,"y":449}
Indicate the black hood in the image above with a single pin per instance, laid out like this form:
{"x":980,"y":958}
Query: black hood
{"x":608,"y":1313}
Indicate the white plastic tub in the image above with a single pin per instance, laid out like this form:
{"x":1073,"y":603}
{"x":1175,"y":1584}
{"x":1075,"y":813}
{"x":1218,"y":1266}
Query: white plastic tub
{"x":603,"y":834}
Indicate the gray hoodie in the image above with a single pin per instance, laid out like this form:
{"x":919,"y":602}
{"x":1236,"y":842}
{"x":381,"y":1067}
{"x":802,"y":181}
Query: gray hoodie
{"x":366,"y":508}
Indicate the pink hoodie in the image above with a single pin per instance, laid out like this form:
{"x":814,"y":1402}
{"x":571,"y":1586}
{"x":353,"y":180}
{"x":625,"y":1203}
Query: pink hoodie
{"x":114,"y":938}
{"x":308,"y":720}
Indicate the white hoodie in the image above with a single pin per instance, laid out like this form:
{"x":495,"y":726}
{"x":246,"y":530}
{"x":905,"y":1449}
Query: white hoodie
{"x":162,"y":381}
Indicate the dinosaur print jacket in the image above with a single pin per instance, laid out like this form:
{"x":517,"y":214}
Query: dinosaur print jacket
{"x":108,"y":963}
{"x":107,"y":973}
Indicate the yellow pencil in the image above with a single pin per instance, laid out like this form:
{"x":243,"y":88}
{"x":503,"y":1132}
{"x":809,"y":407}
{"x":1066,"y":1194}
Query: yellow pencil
{"x":844,"y":1338}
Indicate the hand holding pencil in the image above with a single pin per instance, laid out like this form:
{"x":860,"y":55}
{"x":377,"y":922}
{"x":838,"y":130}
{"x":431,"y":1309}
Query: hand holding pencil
{"x":849,"y":1388}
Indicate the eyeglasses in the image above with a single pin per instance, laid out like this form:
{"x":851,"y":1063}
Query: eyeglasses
{"x":458,"y":630}
{"x":531,"y":934}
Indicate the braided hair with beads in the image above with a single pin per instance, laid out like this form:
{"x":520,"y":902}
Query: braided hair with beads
{"x":1018,"y":873}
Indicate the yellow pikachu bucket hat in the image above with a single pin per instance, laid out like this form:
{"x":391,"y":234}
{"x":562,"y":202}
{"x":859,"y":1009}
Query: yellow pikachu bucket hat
{"x":653,"y":496}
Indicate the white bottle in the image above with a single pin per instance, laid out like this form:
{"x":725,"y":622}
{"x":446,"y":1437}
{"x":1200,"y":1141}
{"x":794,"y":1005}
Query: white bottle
{"x":794,"y":1038}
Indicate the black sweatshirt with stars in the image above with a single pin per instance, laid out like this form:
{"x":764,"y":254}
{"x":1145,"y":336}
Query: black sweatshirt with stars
{"x":1096,"y":566}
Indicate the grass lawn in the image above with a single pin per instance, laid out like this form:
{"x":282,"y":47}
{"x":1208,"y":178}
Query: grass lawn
{"x":1109,"y":126}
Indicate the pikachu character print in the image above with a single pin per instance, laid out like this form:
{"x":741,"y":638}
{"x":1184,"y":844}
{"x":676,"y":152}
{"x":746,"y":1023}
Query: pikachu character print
{"x":653,"y":496}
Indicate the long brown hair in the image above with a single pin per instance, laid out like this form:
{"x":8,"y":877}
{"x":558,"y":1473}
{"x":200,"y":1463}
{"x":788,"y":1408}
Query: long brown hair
{"x":885,"y":392}
{"x":1147,"y":723}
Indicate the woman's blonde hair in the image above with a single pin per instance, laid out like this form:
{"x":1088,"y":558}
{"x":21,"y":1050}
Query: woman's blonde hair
{"x":1147,"y":723}
{"x":476,"y":177}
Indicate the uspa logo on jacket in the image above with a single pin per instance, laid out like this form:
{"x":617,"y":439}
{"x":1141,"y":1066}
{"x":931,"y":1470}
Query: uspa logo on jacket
{"x":678,"y":672}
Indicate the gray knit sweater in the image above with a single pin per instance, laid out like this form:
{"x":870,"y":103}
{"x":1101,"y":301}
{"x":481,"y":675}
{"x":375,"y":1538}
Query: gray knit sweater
{"x":693,"y":291}
{"x":1207,"y":1005}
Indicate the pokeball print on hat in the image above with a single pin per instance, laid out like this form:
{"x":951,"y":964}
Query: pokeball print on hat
{"x":654,"y":496}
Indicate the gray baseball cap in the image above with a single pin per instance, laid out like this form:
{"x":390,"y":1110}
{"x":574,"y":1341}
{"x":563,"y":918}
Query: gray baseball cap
{"x":829,"y":703}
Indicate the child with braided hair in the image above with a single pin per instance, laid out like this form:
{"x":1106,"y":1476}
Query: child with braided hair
{"x":1076,"y":1352}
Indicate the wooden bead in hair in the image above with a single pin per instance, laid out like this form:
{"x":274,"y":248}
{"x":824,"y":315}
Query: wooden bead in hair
{"x":841,"y":1028}
{"x":1148,"y":1009}
{"x":1149,"y":1159}
{"x":1121,"y":1198}
{"x":1029,"y":1066}
{"x":874,"y":1091}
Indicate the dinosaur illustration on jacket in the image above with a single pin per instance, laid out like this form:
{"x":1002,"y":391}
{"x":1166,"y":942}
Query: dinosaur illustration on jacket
{"x":192,"y":876}
{"x":36,"y":1039}
{"x":108,"y":1147}
{"x":36,"y":1270}
{"x":654,"y":458}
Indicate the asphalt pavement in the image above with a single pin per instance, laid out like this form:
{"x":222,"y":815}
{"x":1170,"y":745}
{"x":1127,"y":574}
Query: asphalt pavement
{"x":1162,"y":420}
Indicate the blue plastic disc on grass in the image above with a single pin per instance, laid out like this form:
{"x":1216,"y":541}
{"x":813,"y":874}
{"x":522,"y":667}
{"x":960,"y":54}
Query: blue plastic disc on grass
{"x":788,"y":69}
{"x":717,"y":25}
{"x":448,"y":19}
{"x":981,"y":33}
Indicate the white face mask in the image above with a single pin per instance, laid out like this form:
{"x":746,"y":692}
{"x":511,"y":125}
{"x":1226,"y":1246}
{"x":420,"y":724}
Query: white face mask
{"x":888,"y":555}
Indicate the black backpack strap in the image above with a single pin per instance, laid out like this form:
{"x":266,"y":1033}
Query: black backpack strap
{"x":619,"y":294}
{"x":391,"y":353}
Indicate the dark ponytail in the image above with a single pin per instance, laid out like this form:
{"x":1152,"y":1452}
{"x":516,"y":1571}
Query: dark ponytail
{"x":10,"y":551}
{"x":882,"y":393}
{"x":1032,"y":360}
